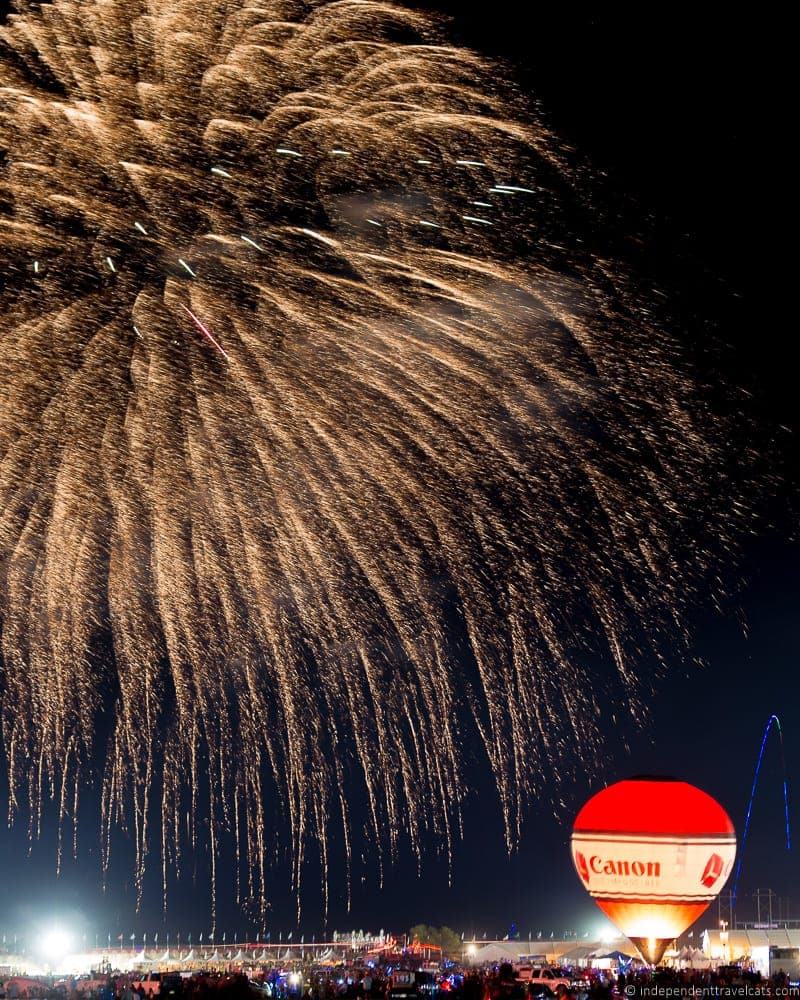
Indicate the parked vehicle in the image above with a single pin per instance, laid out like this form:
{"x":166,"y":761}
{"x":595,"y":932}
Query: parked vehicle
{"x":549,"y":978}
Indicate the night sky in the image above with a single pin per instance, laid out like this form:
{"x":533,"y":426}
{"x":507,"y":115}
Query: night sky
{"x":693,"y":140}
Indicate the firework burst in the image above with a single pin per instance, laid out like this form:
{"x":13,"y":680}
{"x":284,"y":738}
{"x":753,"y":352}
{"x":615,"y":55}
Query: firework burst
{"x":305,"y":379}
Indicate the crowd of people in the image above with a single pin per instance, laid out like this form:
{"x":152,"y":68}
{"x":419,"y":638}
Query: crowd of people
{"x":497,"y":983}
{"x":502,"y":983}
{"x":639,"y":983}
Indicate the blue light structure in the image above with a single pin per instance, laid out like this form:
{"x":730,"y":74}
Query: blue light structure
{"x":772,"y":721}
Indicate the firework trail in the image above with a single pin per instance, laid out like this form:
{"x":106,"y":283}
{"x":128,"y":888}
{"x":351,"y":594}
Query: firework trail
{"x":304,"y":371}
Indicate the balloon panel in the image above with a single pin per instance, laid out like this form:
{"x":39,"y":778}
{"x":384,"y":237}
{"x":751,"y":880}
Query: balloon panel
{"x":654,"y":805}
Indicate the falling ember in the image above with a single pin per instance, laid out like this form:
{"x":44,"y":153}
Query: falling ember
{"x":206,"y":332}
{"x":448,"y":432}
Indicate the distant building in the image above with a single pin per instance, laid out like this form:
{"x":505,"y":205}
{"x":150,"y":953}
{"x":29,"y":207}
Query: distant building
{"x":769,"y":950}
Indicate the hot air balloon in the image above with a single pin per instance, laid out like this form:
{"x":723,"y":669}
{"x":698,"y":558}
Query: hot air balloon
{"x":653,"y":853}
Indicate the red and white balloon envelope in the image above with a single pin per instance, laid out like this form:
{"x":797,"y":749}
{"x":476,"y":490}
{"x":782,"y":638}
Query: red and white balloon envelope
{"x":653,"y":853}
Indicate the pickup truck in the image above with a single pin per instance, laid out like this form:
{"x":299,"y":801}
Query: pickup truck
{"x":543,"y":977}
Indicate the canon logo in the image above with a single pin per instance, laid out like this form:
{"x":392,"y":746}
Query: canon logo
{"x":712,"y":870}
{"x":648,"y":869}
{"x":595,"y":865}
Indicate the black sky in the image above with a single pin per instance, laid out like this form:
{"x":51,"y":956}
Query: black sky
{"x":693,"y":132}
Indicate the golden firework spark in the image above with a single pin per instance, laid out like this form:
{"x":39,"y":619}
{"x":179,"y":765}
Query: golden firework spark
{"x":303,"y":371}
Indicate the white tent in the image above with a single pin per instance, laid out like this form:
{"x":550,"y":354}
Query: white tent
{"x":496,"y":952}
{"x":579,"y":955}
{"x":692,"y":958}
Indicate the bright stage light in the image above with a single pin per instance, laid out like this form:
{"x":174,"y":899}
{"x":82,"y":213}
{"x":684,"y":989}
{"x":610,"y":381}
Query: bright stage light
{"x":55,"y":945}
